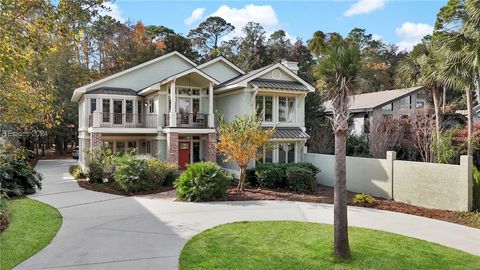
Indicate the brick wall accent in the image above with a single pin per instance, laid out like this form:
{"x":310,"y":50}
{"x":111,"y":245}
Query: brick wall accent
{"x":172,"y":147}
{"x":212,"y":150}
{"x":95,"y":140}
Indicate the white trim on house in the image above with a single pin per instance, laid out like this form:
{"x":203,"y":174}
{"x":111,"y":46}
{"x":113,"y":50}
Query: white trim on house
{"x":244,"y":82}
{"x":120,"y":130}
{"x":190,"y":130}
{"x":221,"y":58}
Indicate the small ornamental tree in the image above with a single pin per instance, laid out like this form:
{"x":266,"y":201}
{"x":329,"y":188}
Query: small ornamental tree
{"x":240,"y":140}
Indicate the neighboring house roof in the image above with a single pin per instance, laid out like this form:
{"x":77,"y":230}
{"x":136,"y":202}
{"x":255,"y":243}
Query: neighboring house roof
{"x":243,"y":80}
{"x":370,"y":101}
{"x":289,"y":133}
{"x":279,"y":84}
{"x":223,"y":59}
{"x":113,"y":91}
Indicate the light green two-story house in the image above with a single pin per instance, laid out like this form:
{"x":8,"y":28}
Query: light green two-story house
{"x":166,"y":107}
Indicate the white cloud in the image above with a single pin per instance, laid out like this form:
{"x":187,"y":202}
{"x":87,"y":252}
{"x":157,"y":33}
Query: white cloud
{"x":377,"y":37}
{"x":364,"y":7}
{"x":197,"y":14}
{"x":114,"y":11}
{"x":263,"y":14}
{"x":411,"y":34}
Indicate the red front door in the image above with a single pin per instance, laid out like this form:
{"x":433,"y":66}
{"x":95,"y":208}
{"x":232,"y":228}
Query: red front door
{"x":183,"y":154}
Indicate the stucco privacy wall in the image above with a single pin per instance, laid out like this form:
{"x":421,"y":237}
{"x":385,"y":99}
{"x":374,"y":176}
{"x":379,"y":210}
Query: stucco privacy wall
{"x":365,"y":175}
{"x":441,"y":186}
{"x":434,"y":185}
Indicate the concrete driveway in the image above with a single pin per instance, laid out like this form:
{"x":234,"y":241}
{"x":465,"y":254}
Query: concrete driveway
{"x":103,"y":231}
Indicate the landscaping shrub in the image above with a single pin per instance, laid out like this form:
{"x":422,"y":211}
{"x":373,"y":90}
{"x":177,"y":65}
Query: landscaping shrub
{"x":476,"y":189}
{"x":135,"y":173}
{"x":273,"y":175}
{"x":250,"y":177}
{"x":363,"y":200}
{"x":17,"y":177}
{"x":270,"y":175}
{"x":202,"y":181}
{"x":131,"y":173}
{"x":300,"y":180}
{"x":160,"y":173}
{"x":3,"y":210}
{"x":100,"y":167}
{"x":306,"y":165}
{"x":76,"y":172}
{"x":357,"y":146}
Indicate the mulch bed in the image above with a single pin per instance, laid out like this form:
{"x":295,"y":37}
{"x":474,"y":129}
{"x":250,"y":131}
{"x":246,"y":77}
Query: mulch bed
{"x":112,"y":188}
{"x":324,"y":194}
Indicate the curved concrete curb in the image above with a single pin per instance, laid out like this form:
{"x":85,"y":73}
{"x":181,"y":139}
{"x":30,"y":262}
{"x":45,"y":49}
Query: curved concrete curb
{"x":104,"y":231}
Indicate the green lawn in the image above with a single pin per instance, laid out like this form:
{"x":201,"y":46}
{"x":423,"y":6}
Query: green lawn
{"x":300,"y":245}
{"x":32,"y":226}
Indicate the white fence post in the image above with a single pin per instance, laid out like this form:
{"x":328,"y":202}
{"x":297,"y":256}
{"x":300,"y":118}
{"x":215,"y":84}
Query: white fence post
{"x":391,"y":157}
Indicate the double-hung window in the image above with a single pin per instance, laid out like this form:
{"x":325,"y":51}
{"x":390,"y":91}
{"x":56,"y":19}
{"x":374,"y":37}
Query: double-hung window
{"x":93,"y":105}
{"x":286,"y":153}
{"x":286,"y":109}
{"x":151,"y":106}
{"x":264,"y":108}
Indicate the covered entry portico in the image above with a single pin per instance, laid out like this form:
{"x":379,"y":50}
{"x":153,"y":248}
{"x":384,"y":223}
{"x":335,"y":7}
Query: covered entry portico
{"x":186,"y":146}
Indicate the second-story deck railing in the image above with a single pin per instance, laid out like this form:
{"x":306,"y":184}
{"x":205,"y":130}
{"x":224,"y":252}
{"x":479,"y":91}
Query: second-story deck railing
{"x":123,"y":120}
{"x":188,"y":120}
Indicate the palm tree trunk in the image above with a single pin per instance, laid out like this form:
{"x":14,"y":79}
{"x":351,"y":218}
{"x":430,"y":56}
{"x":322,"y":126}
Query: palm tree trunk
{"x":477,"y":87}
{"x":468,"y":93}
{"x":340,"y":234}
{"x":444,"y":99}
{"x":436,"y":105}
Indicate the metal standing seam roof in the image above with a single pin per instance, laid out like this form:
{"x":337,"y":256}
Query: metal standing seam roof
{"x":369,"y":101}
{"x":289,"y":133}
{"x":279,"y":84}
{"x":113,"y":91}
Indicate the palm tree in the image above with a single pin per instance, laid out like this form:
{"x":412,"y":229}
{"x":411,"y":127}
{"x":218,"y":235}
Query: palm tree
{"x":461,"y":50}
{"x":421,"y":67}
{"x":337,"y":78}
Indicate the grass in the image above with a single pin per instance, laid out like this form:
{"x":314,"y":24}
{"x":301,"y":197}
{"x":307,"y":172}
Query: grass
{"x":302,"y":245}
{"x":32,"y":226}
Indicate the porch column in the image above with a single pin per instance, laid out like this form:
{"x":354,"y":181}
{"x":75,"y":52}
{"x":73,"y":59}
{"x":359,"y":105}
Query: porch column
{"x":212,"y":149}
{"x":211,"y":117}
{"x":172,"y":147}
{"x":173,"y":109}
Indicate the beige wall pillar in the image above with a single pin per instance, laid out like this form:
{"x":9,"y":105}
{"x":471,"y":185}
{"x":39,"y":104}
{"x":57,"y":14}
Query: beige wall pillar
{"x":466,"y":164}
{"x":391,"y":157}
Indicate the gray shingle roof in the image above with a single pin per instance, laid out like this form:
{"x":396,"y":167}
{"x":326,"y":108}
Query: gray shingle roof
{"x":113,"y":91}
{"x":369,"y":101}
{"x":289,"y":133}
{"x":279,"y":84}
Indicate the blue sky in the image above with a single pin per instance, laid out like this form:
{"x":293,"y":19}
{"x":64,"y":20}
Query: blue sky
{"x":402,"y":22}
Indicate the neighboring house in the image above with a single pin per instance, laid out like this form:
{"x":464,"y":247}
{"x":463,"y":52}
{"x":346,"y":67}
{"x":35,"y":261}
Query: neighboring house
{"x":364,"y":108}
{"x":476,"y":113}
{"x":166,"y":107}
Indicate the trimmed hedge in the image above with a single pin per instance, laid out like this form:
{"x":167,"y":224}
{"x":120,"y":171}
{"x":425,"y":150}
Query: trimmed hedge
{"x":274,"y":175}
{"x":300,"y":180}
{"x":202,"y":181}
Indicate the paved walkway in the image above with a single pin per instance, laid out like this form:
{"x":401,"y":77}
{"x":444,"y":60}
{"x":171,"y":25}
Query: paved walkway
{"x":103,"y":231}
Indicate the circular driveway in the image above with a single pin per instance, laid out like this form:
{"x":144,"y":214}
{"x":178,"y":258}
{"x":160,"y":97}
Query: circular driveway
{"x":104,"y":231}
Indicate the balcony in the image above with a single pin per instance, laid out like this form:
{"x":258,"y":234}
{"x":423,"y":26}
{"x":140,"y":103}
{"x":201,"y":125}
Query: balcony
{"x":122,"y":120}
{"x":188,"y":120}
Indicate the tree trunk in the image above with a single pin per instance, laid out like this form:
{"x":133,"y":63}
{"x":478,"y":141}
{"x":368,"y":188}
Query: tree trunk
{"x":444,"y":100}
{"x":241,"y":181}
{"x":477,"y":88}
{"x":340,"y":234}
{"x":470,"y":120}
{"x":436,"y":105}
